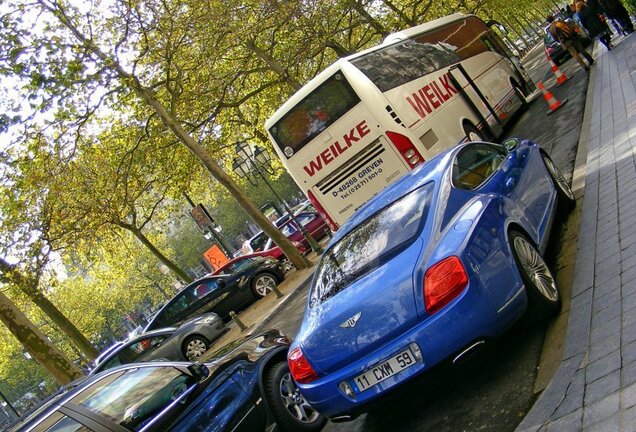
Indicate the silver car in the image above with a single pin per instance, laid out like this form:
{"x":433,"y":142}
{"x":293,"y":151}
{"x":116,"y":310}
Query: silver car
{"x":187,"y":342}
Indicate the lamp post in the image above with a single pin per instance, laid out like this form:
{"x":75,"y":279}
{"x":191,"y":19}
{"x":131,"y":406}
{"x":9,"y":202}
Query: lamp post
{"x":254,"y":162}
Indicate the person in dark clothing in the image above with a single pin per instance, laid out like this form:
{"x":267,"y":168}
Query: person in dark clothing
{"x":569,"y":40}
{"x":592,"y":23}
{"x":615,"y":10}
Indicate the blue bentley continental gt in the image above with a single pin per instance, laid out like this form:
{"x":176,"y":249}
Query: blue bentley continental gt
{"x":435,"y":266}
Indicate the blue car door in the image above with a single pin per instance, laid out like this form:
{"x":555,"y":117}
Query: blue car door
{"x":222,"y":407}
{"x":523,"y":178}
{"x":518,"y":175}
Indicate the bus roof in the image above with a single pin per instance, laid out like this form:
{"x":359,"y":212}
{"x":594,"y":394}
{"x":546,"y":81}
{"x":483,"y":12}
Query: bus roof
{"x":337,"y":65}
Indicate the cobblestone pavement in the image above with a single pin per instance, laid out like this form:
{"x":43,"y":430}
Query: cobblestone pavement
{"x":594,"y":388}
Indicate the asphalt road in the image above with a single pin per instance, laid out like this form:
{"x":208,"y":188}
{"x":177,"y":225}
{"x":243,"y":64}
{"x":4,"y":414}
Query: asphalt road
{"x":494,"y":389}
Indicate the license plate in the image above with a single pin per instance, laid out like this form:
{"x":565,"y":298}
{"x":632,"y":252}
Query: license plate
{"x":385,"y":370}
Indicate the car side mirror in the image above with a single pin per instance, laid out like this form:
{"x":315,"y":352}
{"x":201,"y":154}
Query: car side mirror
{"x":199,"y":371}
{"x":511,"y":144}
{"x":221,"y":282}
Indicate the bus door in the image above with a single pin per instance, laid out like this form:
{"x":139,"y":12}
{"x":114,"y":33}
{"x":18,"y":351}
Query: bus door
{"x":479,"y":104}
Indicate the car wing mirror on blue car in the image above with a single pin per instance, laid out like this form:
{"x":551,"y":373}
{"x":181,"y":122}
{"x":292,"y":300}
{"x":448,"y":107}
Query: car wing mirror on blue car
{"x":511,"y":144}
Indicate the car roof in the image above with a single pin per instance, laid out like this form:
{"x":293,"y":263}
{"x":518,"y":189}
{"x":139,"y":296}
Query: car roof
{"x":206,"y":278}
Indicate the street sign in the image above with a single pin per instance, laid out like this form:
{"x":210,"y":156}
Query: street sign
{"x":202,"y":218}
{"x":215,"y":257}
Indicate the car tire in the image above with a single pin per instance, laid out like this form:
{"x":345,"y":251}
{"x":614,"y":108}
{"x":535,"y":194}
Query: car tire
{"x":544,"y":297}
{"x":262,"y":284}
{"x":194,"y":347}
{"x":565,"y":197}
{"x":289,"y":408}
{"x":473,"y":134}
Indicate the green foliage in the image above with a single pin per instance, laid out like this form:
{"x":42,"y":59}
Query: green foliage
{"x":88,"y":165}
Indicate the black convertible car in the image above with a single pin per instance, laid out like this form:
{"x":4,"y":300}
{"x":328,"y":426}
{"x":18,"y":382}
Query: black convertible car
{"x":220,"y":294}
{"x":245,"y":387}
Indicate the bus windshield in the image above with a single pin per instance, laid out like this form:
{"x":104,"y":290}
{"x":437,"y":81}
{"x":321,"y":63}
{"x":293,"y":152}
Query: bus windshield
{"x":314,"y":114}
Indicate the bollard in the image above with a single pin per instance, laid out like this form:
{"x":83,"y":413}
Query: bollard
{"x":277,"y":292}
{"x":238,"y":321}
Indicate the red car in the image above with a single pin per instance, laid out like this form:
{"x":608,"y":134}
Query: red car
{"x":311,"y":221}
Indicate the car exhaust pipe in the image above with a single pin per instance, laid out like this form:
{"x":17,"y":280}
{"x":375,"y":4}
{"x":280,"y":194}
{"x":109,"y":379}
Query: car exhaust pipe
{"x":468,"y":351}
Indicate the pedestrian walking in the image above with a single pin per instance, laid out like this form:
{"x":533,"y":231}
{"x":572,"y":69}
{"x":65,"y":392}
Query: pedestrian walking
{"x":590,"y":20}
{"x":615,"y":10}
{"x":569,"y":40}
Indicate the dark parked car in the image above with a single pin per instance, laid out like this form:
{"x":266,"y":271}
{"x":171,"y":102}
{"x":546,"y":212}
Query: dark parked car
{"x":220,"y":294}
{"x":246,"y":387}
{"x":188,"y":342}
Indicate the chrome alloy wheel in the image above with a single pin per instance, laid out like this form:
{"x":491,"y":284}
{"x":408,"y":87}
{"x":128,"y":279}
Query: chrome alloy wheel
{"x":294,"y":402}
{"x":286,"y":265}
{"x":264,"y":284}
{"x":536,"y":269}
{"x":195,"y":349}
{"x":556,"y":174}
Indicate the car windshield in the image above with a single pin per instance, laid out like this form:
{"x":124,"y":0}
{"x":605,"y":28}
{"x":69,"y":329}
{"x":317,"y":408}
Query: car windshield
{"x":236,"y":266}
{"x":258,"y":242}
{"x":356,"y":253}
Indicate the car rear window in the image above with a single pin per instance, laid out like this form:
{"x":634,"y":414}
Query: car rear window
{"x":386,"y":232}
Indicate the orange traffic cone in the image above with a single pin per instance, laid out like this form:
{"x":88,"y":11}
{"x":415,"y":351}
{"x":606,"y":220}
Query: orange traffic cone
{"x":553,"y":103}
{"x":560,"y":76}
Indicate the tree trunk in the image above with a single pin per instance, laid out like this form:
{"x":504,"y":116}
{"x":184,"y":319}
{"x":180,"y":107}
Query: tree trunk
{"x":358,"y":7}
{"x":200,"y":152}
{"x":338,"y":49}
{"x":511,"y":28}
{"x":274,"y":65}
{"x":59,"y":319}
{"x":529,"y":25}
{"x":399,"y":12}
{"x":43,"y":351}
{"x":63,"y":323}
{"x":181,"y":274}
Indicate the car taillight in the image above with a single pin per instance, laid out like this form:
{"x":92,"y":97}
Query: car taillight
{"x":321,"y":211}
{"x":406,"y":148}
{"x":443,"y":282}
{"x":300,"y":369}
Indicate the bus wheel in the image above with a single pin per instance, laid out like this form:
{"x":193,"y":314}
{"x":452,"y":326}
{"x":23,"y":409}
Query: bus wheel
{"x":472,"y":133}
{"x":522,"y":97}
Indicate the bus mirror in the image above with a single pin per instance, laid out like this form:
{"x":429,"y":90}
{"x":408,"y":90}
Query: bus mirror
{"x":511,"y":144}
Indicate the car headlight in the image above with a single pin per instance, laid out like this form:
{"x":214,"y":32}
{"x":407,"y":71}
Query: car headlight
{"x":209,"y":320}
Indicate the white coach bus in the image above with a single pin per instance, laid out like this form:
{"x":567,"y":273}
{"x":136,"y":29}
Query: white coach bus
{"x":371,"y":117}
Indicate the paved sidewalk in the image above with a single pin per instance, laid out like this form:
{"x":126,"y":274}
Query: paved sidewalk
{"x":257,"y":315}
{"x":594,"y":388}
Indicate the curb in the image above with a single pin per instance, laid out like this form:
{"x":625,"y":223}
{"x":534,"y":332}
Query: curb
{"x":574,"y":355}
